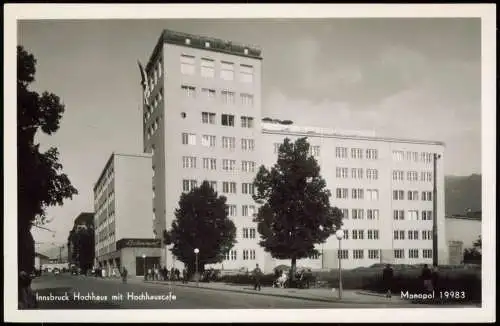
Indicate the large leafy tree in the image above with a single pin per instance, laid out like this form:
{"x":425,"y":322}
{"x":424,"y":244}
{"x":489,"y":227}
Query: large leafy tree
{"x":40,"y":181}
{"x":202,"y":222}
{"x":295,"y":212}
{"x":473,"y":255}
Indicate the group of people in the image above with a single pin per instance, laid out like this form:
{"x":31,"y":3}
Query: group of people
{"x":429,"y":278}
{"x":156,"y":273}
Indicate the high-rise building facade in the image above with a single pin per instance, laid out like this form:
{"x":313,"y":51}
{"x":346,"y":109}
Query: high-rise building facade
{"x":384,"y":187}
{"x":201,"y":122}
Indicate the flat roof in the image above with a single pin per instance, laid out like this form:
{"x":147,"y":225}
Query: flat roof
{"x":274,"y":128}
{"x":198,"y":41}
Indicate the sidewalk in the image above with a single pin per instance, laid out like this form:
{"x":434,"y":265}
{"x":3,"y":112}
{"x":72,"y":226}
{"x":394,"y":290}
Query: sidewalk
{"x":315,"y":294}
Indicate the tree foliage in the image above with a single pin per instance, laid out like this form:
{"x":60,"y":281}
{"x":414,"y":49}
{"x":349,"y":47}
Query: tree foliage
{"x":473,"y":255}
{"x":295,"y":212}
{"x":40,"y":181}
{"x":201,"y":222}
{"x":82,"y":240}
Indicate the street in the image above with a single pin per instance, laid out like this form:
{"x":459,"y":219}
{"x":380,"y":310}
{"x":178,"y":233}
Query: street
{"x":63,"y":287}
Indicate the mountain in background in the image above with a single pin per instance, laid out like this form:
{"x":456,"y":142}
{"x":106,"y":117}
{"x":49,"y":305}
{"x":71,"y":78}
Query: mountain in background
{"x":462,"y":193}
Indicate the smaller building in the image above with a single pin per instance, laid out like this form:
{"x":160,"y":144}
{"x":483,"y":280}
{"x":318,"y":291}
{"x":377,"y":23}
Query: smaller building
{"x":40,"y":260}
{"x":123,"y":201}
{"x":461,"y":233}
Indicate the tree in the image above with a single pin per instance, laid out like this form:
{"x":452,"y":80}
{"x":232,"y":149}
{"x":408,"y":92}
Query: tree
{"x":473,"y":255}
{"x":202,"y":222}
{"x":40,"y":181}
{"x":295,"y":212}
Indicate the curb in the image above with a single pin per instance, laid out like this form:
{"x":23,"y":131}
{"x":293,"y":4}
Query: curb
{"x":370,"y":294}
{"x":333,"y":300}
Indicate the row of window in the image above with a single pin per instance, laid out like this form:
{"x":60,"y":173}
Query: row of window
{"x":398,"y":175}
{"x":104,"y":183}
{"x":359,"y":213}
{"x":153,"y":105}
{"x":412,"y":235}
{"x":247,"y":144}
{"x":210,"y":94}
{"x":356,"y":153}
{"x":249,"y":233}
{"x":190,"y":162}
{"x":356,"y":173}
{"x":412,"y":215}
{"x":423,"y":157}
{"x":248,"y":254}
{"x":226,"y":120}
{"x":412,"y":195}
{"x":208,"y":67}
{"x":357,"y":193}
{"x":228,"y":187}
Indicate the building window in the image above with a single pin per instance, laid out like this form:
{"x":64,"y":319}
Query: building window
{"x":188,"y":185}
{"x":426,"y":235}
{"x":372,"y":154}
{"x":187,"y":65}
{"x":373,"y":254}
{"x":229,"y":187}
{"x":208,"y":140}
{"x":231,"y":210}
{"x":358,"y":253}
{"x":188,"y":162}
{"x":356,"y":153}
{"x":372,"y":174}
{"x":357,"y":173}
{"x":398,"y":175}
{"x":227,"y":120}
{"x":342,"y":193}
{"x":341,"y":152}
{"x":399,"y":215}
{"x":246,"y":122}
{"x":343,"y":254}
{"x":426,"y":215}
{"x":227,"y":70}
{"x":357,"y":194}
{"x":399,"y":253}
{"x":345,"y":213}
{"x":245,"y":233}
{"x":412,"y":195}
{"x":342,"y":173}
{"x":426,"y":176}
{"x":346,"y":235}
{"x":413,"y":253}
{"x":245,"y":254}
{"x":213,"y":185}
{"x":412,"y":235}
{"x":227,"y":97}
{"x":358,"y":214}
{"x":314,"y":151}
{"x":188,"y":139}
{"x":252,"y":254}
{"x":247,"y":188}
{"x":252,"y":233}
{"x":398,"y":194}
{"x":427,"y":253}
{"x":207,"y":68}
{"x":372,"y":214}
{"x":372,"y":194}
{"x":276,"y":147}
{"x":373,"y":235}
{"x":247,"y":144}
{"x":228,"y":142}
{"x":248,"y":210}
{"x":208,"y":117}
{"x":247,"y":166}
{"x":412,"y":215}
{"x":189,"y":91}
{"x":246,"y":99}
{"x":426,"y":195}
{"x":246,"y":74}
{"x":398,"y":155}
{"x":209,"y":163}
{"x":228,"y":165}
{"x":208,"y":93}
{"x":233,"y":254}
{"x":412,"y":176}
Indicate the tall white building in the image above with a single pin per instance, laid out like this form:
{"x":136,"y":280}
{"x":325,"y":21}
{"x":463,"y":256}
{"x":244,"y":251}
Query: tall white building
{"x":202,"y":121}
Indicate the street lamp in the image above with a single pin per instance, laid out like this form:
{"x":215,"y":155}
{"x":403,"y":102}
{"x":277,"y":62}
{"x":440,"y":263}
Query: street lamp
{"x":144,"y":257}
{"x":434,"y":212}
{"x":196,"y":251}
{"x":340,"y":234}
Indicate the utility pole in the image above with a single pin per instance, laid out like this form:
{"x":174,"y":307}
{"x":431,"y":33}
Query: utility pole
{"x":434,"y":213}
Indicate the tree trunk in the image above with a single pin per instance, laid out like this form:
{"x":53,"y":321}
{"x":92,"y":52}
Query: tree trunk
{"x":292,"y":269}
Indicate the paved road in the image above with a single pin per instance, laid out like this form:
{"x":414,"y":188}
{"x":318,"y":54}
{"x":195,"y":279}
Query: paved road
{"x":175,"y":297}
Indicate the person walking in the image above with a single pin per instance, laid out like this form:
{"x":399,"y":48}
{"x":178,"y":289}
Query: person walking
{"x":124,"y":275}
{"x":257,"y":273}
{"x":427,"y":278}
{"x":177,"y":274}
{"x":387,"y":276}
{"x":435,"y":278}
{"x":184,"y":275}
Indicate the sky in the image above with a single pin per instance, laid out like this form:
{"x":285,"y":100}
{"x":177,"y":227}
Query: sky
{"x":399,"y":77}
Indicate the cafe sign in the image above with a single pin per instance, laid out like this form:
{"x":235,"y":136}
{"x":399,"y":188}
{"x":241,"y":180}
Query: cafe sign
{"x":138,"y":243}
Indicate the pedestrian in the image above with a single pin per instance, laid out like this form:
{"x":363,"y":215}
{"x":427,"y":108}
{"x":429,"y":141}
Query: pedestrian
{"x":124,"y":275}
{"x":427,"y":278}
{"x":257,"y":273}
{"x":177,"y":274}
{"x":387,"y":276}
{"x":172,"y":274}
{"x":150,"y":274}
{"x":435,"y":277}
{"x":157,"y":273}
{"x":184,"y":275}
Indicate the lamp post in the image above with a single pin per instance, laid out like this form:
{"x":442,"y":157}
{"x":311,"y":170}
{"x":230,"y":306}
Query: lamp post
{"x":434,"y":213}
{"x":196,"y":251}
{"x":144,"y":257}
{"x":340,"y":234}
